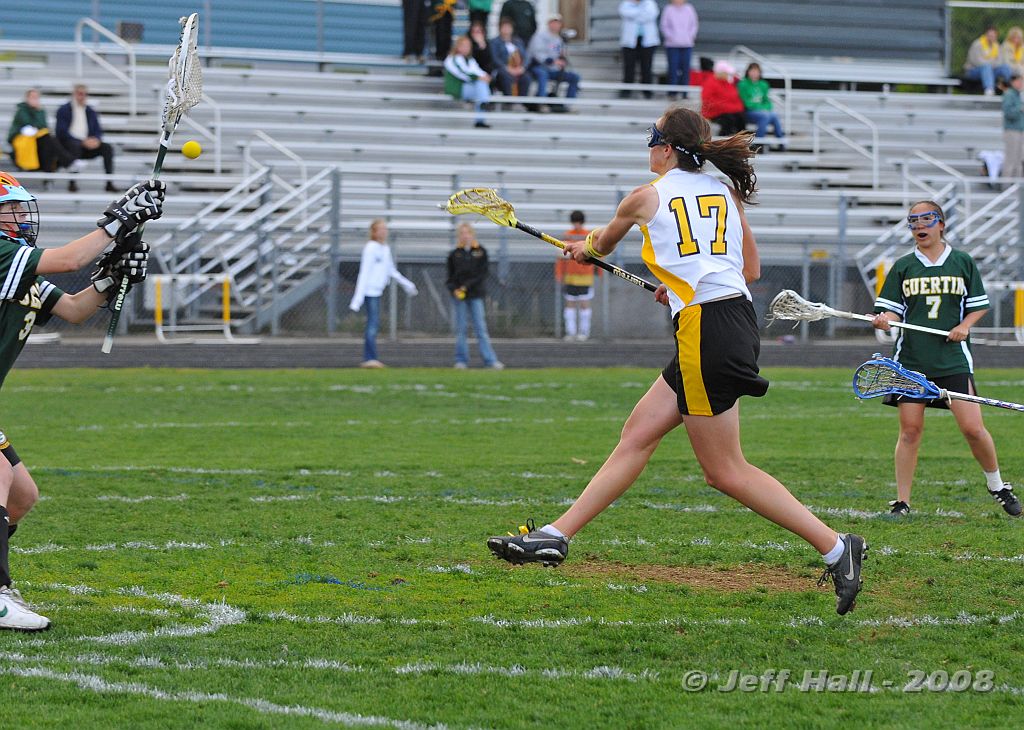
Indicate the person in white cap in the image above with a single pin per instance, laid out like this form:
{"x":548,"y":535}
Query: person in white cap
{"x":548,"y":61}
{"x":721,"y":102}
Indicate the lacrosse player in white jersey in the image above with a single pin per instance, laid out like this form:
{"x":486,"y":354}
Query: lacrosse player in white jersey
{"x":698,"y":244}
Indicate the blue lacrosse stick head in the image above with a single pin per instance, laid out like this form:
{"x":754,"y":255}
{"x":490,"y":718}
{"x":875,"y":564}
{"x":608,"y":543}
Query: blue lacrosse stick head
{"x":881,"y":376}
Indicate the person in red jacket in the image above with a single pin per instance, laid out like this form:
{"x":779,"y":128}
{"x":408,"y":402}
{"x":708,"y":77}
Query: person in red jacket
{"x":721,"y":102}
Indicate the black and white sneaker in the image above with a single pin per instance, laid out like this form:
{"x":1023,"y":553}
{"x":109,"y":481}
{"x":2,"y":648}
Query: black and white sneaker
{"x":845,"y":573}
{"x":530,"y":546}
{"x":898,"y":508}
{"x":1007,"y":499}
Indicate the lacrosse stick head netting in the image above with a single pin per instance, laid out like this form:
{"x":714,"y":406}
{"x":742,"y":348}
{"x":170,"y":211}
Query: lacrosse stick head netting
{"x":884,"y":376}
{"x":482,"y":201}
{"x":789,"y":305}
{"x":185,"y":74}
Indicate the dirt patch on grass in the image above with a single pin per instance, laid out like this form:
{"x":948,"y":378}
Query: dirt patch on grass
{"x":744,"y":577}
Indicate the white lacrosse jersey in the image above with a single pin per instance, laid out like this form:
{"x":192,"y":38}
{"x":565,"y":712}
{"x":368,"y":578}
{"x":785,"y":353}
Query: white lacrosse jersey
{"x":694,"y":243}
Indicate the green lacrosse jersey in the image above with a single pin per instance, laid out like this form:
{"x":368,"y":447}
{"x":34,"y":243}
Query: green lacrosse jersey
{"x":25,"y":299}
{"x":937,"y":295}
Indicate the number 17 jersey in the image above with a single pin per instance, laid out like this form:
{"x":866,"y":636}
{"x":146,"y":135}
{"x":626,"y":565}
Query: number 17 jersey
{"x":694,"y":242}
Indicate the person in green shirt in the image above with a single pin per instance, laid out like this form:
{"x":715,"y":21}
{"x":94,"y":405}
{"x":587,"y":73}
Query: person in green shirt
{"x":29,"y":120}
{"x":756,"y":103}
{"x":937,"y":286}
{"x":27,"y":300}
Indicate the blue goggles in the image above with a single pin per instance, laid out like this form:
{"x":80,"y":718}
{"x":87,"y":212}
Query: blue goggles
{"x":654,"y":136}
{"x":924,"y":220}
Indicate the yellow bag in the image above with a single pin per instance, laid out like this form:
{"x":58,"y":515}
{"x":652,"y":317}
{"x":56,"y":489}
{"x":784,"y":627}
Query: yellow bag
{"x":26,"y":150}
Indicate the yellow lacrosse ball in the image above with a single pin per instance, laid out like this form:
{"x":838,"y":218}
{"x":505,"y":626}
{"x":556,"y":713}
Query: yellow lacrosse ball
{"x":191,"y":149}
{"x":459,"y":294}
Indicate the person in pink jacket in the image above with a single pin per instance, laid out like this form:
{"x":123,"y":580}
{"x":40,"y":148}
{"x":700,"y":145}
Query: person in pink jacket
{"x":678,"y":34}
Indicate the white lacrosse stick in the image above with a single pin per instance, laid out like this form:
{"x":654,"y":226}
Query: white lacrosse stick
{"x":789,"y":305}
{"x":184,"y":90}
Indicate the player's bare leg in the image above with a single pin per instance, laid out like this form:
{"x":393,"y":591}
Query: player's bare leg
{"x":907,"y":445}
{"x":716,"y":443}
{"x":15,"y":615}
{"x":653,"y":416}
{"x":972,"y":426}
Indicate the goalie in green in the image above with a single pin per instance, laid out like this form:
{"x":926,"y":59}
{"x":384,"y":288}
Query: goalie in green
{"x":27,"y":300}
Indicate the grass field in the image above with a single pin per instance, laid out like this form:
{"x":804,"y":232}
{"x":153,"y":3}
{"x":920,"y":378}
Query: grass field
{"x":306,"y":549}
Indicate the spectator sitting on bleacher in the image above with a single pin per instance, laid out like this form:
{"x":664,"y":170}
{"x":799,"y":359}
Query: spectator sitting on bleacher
{"x":1012,"y":51}
{"x":639,"y":39}
{"x":465,"y":80}
{"x":481,"y":53}
{"x":523,"y":17}
{"x":984,"y":63}
{"x":720,"y":101}
{"x":754,"y":91}
{"x":80,"y":133}
{"x":508,"y":56}
{"x":29,"y":135}
{"x":1013,"y":129}
{"x":678,"y":32}
{"x":549,"y":63}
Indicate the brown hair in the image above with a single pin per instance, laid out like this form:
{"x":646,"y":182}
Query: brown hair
{"x":690,"y":134}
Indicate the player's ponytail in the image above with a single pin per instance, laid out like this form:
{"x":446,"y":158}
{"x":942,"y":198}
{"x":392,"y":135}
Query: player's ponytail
{"x":690,"y":134}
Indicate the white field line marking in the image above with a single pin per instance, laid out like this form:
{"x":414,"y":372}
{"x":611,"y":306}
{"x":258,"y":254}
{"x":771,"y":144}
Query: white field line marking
{"x":457,"y":568}
{"x":93,"y":683}
{"x":96,"y":659}
{"x":189,"y":424}
{"x":602,"y":672}
{"x":222,"y":614}
{"x":106,"y":547}
{"x":698,"y":541}
{"x":517,"y":670}
{"x":217,"y":615}
{"x":143,"y":498}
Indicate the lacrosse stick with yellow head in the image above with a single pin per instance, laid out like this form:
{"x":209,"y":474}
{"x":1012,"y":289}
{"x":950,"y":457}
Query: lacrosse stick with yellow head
{"x":487,"y":202}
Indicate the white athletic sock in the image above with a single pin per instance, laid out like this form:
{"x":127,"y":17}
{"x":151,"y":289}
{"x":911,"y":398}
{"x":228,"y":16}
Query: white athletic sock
{"x":552,"y":530}
{"x":585,"y":322}
{"x":570,"y":321}
{"x":994,"y":479}
{"x":835,"y":553}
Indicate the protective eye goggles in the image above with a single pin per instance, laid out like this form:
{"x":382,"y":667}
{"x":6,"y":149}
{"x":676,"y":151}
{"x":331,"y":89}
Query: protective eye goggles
{"x":654,"y":136}
{"x":924,"y":220}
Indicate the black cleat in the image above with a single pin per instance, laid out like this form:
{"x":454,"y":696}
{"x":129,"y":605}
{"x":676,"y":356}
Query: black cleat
{"x":530,"y":546}
{"x":1007,"y":499}
{"x":845,"y":573}
{"x":899,"y":509}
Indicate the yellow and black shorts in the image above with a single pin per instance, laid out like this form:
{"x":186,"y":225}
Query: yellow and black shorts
{"x":8,"y":451}
{"x":717,"y":344}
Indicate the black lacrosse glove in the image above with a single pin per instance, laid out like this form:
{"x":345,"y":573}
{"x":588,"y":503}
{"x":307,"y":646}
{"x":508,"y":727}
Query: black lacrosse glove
{"x":142,"y":202}
{"x":128,"y":259}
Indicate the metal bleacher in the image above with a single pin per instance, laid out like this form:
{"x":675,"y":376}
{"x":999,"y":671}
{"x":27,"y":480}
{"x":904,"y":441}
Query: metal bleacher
{"x":272,"y":132}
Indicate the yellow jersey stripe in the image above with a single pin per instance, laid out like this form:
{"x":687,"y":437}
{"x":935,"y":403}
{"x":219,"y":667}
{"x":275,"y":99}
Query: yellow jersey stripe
{"x":679,"y":287}
{"x":688,"y":344}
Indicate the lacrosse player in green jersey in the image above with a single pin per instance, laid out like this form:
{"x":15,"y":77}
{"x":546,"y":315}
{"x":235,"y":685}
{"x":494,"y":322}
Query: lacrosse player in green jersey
{"x":27,"y":300}
{"x":937,"y":286}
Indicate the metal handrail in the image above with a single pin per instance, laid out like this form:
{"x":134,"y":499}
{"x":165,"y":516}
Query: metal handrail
{"x":80,"y":48}
{"x":872,"y":155}
{"x":787,"y":81}
{"x":248,"y":158}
